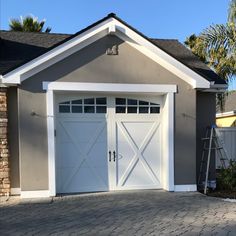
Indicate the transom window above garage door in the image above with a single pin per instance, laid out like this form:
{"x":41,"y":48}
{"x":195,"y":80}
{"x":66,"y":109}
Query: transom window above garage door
{"x":85,"y":105}
{"x":127,"y":105}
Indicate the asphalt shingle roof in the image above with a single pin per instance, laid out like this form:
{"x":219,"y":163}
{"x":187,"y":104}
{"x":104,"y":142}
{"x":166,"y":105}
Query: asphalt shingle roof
{"x":17,"y":48}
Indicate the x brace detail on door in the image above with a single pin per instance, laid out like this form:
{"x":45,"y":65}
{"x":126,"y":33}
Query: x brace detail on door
{"x":138,"y":153}
{"x":84,"y":154}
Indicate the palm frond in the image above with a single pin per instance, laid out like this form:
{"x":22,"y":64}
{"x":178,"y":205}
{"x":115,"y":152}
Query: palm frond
{"x":28,"y":24}
{"x":232,"y":12}
{"x":216,"y":36}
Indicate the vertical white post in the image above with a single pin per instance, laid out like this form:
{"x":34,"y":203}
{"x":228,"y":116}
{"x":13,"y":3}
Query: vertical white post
{"x":170,"y":100}
{"x":168,"y":143}
{"x":51,"y":143}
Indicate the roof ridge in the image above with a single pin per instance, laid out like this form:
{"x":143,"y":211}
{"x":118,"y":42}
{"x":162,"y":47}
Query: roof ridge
{"x":164,"y":39}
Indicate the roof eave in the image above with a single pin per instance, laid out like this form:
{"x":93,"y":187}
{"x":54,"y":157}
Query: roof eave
{"x":215,"y":88}
{"x":226,"y":114}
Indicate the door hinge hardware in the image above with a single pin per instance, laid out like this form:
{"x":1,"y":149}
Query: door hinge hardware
{"x":55,"y":133}
{"x":114,"y":156}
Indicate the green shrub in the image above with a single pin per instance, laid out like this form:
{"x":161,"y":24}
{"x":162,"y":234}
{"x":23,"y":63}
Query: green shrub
{"x":226,"y":178}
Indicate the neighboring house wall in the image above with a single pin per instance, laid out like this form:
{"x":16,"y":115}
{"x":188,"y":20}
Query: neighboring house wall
{"x":205,"y":118}
{"x":13,"y":137}
{"x":4,"y":152}
{"x":226,"y":121}
{"x":91,"y":64}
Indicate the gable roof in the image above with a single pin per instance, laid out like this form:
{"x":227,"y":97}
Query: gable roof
{"x":18,"y":48}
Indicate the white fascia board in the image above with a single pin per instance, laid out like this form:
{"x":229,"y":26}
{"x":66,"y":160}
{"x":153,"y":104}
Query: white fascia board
{"x":110,"y":87}
{"x":15,"y":76}
{"x":161,"y":57}
{"x":216,"y":88}
{"x":226,"y":114}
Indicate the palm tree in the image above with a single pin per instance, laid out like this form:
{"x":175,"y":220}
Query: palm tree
{"x":216,"y":46}
{"x":28,"y":24}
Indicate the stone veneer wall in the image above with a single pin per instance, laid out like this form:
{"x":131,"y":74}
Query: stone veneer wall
{"x":4,"y":151}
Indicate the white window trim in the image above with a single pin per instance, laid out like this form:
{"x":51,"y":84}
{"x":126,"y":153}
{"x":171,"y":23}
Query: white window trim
{"x":168,"y":148}
{"x":106,"y":27}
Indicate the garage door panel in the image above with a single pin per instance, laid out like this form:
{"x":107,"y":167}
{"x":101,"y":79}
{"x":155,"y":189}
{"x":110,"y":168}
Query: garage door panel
{"x":68,"y":156}
{"x":139,"y":176}
{"x":124,"y":156}
{"x":142,"y":137}
{"x":137,"y":130}
{"x":76,"y":184}
{"x":77,"y":127}
{"x":98,"y":150}
{"x":129,"y":131}
{"x":82,"y":156}
{"x":152,"y":154}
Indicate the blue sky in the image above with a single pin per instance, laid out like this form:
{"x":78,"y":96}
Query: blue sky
{"x":155,"y":18}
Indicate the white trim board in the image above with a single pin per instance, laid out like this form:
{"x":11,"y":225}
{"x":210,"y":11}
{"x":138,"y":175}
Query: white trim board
{"x":168,"y":121}
{"x":186,"y":188}
{"x":226,"y":114}
{"x":110,"y":87}
{"x":35,"y":194}
{"x":106,"y":27}
{"x":15,"y":191}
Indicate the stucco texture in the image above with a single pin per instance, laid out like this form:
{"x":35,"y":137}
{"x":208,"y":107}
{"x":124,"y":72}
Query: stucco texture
{"x":91,"y":64}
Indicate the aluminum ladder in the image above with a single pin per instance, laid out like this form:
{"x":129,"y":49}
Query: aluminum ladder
{"x":211,"y":142}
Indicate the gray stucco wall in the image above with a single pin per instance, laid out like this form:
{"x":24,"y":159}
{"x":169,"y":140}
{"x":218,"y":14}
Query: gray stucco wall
{"x":206,"y":116}
{"x":91,"y":64}
{"x":13,"y":137}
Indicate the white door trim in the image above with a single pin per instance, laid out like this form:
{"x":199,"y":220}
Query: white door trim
{"x":110,"y":87}
{"x":168,"y":121}
{"x":51,"y":143}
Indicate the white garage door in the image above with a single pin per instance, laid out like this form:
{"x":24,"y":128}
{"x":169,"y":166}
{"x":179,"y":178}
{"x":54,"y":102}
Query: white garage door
{"x":107,"y":143}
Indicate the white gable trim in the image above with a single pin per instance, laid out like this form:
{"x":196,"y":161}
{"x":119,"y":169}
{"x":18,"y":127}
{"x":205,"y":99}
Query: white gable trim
{"x":168,"y":62}
{"x":109,"y":26}
{"x":62,"y":51}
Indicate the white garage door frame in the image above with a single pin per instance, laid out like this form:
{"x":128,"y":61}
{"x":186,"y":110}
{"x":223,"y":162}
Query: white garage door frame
{"x":166,"y":90}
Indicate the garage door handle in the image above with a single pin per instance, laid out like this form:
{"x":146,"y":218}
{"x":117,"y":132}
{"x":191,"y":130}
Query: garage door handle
{"x":109,"y":155}
{"x":114,"y":156}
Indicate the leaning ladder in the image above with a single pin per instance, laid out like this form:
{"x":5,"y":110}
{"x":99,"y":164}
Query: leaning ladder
{"x":211,"y":142}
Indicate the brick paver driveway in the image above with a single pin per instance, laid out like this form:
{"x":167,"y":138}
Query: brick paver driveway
{"x":122,"y":213}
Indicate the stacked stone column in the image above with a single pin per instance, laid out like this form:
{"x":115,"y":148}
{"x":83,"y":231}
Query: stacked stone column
{"x":4,"y":151}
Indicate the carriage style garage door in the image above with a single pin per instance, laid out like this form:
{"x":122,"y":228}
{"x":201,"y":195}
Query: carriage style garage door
{"x":107,"y":143}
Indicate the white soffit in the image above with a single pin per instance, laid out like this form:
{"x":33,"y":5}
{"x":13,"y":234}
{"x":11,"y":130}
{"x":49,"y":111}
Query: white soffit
{"x":109,"y":26}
